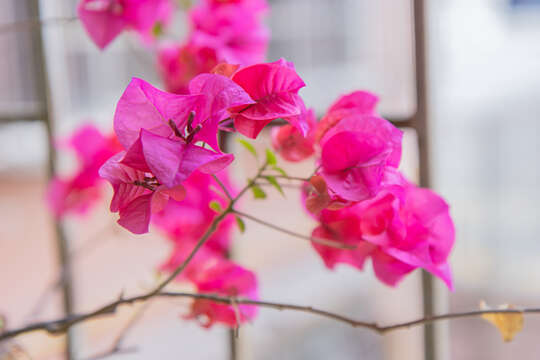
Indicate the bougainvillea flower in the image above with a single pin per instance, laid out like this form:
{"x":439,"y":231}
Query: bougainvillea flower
{"x":77,"y":193}
{"x":225,"y":278}
{"x":404,"y":227}
{"x":291,"y":144}
{"x":184,"y":222}
{"x":355,"y":103}
{"x":171,"y":161}
{"x":235,"y":31}
{"x":178,"y":64}
{"x":220,"y":93}
{"x":104,"y":20}
{"x":355,"y":154}
{"x":137,"y":194}
{"x":274,"y":87}
{"x":159,"y":131}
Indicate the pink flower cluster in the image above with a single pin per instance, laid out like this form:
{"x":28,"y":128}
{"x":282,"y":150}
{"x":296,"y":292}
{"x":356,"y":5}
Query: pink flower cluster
{"x":360,"y":198}
{"x":164,"y":174}
{"x":77,"y":193}
{"x":220,"y":31}
{"x":104,"y":20}
{"x":164,"y":134}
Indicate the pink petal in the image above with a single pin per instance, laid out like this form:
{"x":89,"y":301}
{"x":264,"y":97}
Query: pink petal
{"x":204,"y":160}
{"x":273,"y":106}
{"x":100,"y":23}
{"x":353,"y":165}
{"x":162,"y":194}
{"x":263,"y":80}
{"x":142,"y":106}
{"x":134,"y":157}
{"x":163,"y":157}
{"x":122,"y":180}
{"x":135,"y":216}
{"x":389,"y":269}
{"x":221,"y":93}
{"x":248,"y":127}
{"x":178,"y":193}
{"x":347,"y":150}
{"x":274,"y":87}
{"x":381,"y":130}
{"x":359,"y":102}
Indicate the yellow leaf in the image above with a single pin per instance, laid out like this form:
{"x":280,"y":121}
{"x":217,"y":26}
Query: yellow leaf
{"x":508,"y":324}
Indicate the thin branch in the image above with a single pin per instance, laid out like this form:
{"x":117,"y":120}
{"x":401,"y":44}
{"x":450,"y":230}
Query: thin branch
{"x":211,"y":229}
{"x":61,"y":325}
{"x":321,"y":241}
{"x":223,"y":187}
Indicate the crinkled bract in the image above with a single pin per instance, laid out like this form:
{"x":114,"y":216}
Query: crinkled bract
{"x":274,"y":88}
{"x":355,"y":154}
{"x":403,"y":228}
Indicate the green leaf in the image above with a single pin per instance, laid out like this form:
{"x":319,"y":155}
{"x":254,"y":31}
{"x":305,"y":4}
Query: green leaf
{"x":258,"y":193}
{"x":280,"y":170}
{"x":270,"y":157}
{"x":214,"y":205}
{"x":157,"y":30}
{"x":248,"y":147}
{"x":241,"y":224}
{"x":184,"y":4}
{"x":272,"y":180}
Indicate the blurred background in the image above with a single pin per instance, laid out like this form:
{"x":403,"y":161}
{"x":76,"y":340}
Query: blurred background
{"x":483,"y":92}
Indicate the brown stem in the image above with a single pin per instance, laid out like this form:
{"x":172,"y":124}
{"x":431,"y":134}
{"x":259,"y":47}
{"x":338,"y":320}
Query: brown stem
{"x":61,"y":325}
